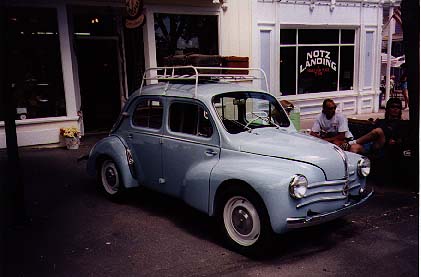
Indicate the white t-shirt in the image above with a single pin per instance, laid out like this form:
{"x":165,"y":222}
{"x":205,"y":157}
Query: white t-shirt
{"x":337,"y":124}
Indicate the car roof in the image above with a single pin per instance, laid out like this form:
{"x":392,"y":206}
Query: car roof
{"x":205,"y":91}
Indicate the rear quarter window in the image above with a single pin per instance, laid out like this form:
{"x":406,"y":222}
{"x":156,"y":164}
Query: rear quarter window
{"x":148,"y":114}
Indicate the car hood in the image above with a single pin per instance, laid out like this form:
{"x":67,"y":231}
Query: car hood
{"x":296,"y":146}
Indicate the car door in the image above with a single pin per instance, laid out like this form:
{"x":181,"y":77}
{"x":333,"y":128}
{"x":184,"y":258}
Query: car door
{"x":144,"y":139}
{"x":190,"y":149}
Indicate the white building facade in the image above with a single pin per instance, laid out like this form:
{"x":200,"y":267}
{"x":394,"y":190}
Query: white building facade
{"x":74,"y":62}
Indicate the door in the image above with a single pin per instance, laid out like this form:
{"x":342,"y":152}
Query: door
{"x":144,"y":139}
{"x":190,"y":150}
{"x":99,"y":82}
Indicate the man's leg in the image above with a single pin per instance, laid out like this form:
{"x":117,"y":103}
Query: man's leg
{"x":375,"y":136}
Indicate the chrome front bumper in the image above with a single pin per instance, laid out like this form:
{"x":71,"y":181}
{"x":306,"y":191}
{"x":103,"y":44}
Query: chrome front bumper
{"x":299,"y":222}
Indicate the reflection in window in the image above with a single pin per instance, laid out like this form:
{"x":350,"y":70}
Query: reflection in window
{"x":34,"y":62}
{"x":180,"y":34}
{"x":287,"y":62}
{"x":347,"y":68}
{"x":190,"y":119}
{"x":148,"y":114}
{"x":243,"y":111}
{"x":321,"y":58}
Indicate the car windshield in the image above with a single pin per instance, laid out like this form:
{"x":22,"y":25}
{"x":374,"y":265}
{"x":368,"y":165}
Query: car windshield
{"x":245,"y":111}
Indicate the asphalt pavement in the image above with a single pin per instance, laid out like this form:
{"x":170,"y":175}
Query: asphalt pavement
{"x":71,"y":229}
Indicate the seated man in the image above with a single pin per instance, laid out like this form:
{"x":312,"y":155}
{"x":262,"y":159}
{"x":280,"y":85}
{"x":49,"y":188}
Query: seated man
{"x":331,"y":126}
{"x":385,"y":133}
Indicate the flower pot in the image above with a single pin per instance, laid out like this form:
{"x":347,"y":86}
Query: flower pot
{"x":72,"y":143}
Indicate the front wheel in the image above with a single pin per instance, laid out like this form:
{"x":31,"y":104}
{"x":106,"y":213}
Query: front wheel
{"x":110,"y":179}
{"x":244,"y":221}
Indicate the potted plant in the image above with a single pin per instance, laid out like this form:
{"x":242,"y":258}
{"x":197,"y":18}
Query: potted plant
{"x":71,"y":137}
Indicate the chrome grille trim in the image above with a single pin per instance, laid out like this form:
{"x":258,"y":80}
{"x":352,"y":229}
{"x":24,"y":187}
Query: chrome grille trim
{"x":326,"y":183}
{"x":323,"y":192}
{"x":323,"y":199}
{"x":344,"y":159}
{"x":355,"y":186}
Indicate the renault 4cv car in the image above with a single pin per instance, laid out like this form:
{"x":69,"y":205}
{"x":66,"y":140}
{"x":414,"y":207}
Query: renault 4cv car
{"x":229,"y":151}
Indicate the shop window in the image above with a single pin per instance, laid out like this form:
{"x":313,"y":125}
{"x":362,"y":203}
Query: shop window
{"x":94,"y":21}
{"x":321,"y":61}
{"x":180,"y":34}
{"x":34,"y":63}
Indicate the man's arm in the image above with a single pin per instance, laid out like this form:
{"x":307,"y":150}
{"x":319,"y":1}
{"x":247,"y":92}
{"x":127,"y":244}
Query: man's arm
{"x":315,"y":130}
{"x":338,"y":139}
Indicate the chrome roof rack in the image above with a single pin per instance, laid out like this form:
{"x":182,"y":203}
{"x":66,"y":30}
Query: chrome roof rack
{"x":193,"y":73}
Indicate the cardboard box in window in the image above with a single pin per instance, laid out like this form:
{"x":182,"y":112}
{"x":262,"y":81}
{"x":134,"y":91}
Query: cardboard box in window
{"x":236,"y":62}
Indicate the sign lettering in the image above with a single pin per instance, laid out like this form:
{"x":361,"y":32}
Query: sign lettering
{"x":315,"y":59}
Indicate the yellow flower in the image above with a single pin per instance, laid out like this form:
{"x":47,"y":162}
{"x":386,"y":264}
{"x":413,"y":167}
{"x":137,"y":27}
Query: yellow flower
{"x":70,"y":132}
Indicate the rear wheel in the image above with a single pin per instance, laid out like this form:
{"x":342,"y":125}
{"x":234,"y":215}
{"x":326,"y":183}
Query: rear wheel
{"x":110,"y":179}
{"x":244,"y":221}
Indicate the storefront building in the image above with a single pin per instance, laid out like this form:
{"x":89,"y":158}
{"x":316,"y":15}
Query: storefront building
{"x":73,"y":63}
{"x":321,"y":49}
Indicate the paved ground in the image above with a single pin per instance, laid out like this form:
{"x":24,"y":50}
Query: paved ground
{"x":72,"y":230}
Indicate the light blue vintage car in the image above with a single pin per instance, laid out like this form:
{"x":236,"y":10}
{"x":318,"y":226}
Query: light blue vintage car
{"x":229,"y":151}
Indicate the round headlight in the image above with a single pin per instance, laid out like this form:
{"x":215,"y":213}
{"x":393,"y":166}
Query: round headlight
{"x":298,"y":186}
{"x":364,"y":166}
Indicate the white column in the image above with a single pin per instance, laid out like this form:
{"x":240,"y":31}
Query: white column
{"x":66,"y":61}
{"x":389,"y":53}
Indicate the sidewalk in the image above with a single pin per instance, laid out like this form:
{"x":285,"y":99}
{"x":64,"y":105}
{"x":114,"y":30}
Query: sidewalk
{"x":307,"y":123}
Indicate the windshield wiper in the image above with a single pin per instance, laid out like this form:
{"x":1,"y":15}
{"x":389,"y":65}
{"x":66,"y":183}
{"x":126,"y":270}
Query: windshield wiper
{"x":267,"y":119}
{"x":241,"y":124}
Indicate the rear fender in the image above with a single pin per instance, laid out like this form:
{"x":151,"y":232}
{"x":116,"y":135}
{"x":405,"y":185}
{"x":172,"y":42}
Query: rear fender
{"x":114,"y":147}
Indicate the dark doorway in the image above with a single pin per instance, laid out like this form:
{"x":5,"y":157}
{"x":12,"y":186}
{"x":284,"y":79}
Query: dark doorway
{"x":99,"y":83}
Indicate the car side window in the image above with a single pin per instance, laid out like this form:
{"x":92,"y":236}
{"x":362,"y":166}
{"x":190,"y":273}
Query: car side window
{"x":190,"y":119}
{"x":148,"y":114}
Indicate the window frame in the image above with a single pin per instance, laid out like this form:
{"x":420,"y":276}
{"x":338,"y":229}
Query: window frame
{"x":296,"y":47}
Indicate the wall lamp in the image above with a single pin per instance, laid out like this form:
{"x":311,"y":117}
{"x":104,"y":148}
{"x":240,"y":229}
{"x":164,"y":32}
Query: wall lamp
{"x":223,"y":3}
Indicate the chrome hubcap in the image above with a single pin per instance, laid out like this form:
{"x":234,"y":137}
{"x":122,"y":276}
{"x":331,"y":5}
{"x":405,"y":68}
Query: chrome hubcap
{"x":241,"y":221}
{"x":109,"y":177}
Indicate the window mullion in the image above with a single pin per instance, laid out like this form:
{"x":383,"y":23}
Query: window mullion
{"x":296,"y":61}
{"x":339,"y":61}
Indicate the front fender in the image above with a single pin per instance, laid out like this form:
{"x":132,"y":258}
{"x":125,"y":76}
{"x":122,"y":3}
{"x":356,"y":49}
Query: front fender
{"x":113,"y":147}
{"x":268,"y":176}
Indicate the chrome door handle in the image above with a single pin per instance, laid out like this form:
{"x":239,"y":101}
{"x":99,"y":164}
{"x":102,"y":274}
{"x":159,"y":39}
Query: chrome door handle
{"x":130,"y":136}
{"x":210,"y":152}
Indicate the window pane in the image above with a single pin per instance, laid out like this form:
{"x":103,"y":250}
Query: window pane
{"x":94,"y":21}
{"x":347,"y":68}
{"x":34,"y":62}
{"x":288,"y":36}
{"x":317,"y":69}
{"x":287,"y":71}
{"x":178,"y":34}
{"x":318,"y":36}
{"x":205,"y":126}
{"x":148,"y":114}
{"x":183,"y":118}
{"x":347,"y":36}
